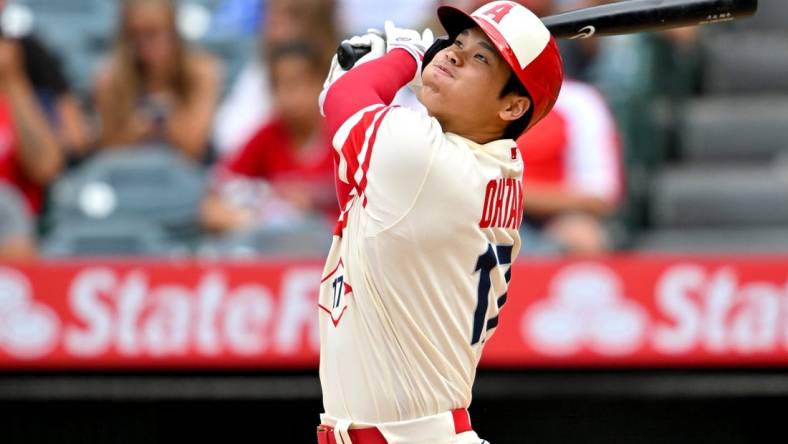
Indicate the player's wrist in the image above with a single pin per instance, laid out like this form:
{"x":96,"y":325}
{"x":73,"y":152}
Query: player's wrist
{"x":412,"y":42}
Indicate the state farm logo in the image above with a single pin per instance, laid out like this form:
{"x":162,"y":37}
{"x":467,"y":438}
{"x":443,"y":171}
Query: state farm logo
{"x":126,"y":313}
{"x":106,"y":312}
{"x":28,"y":329}
{"x":585,"y":310}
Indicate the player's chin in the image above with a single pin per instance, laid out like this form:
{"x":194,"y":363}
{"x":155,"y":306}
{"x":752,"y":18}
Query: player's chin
{"x":431,"y":84}
{"x":430,"y":97}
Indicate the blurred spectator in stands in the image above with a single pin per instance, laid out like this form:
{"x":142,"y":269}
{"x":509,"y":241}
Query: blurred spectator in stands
{"x":249,"y":102}
{"x":431,"y":18}
{"x":241,"y":17}
{"x":291,"y":154}
{"x":356,"y":16}
{"x":646,"y":78}
{"x":44,"y":72}
{"x":154,"y":89}
{"x":573,"y":175}
{"x":30,"y":156}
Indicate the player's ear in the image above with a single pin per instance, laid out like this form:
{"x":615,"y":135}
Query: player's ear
{"x":514,"y":107}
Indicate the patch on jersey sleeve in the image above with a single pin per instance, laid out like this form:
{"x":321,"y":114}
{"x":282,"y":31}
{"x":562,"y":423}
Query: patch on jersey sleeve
{"x":334,"y":294}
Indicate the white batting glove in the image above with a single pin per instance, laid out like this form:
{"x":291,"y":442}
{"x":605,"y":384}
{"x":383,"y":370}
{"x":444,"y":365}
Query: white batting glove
{"x":377,"y":48}
{"x":412,"y":41}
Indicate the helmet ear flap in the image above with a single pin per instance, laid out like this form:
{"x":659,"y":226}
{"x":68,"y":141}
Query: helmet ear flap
{"x":437,"y":46}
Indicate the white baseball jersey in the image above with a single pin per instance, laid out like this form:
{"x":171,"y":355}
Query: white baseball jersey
{"x":419,"y":268}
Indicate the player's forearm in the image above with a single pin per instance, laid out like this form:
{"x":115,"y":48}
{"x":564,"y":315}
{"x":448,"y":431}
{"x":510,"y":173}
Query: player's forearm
{"x":540,"y":200}
{"x":218,"y":216}
{"x":189,"y":131}
{"x":72,"y":131}
{"x":374,"y":82}
{"x":189,"y":127}
{"x":39,"y":152}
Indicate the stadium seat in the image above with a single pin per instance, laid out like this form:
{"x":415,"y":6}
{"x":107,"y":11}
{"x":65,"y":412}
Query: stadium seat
{"x":771,"y":15}
{"x":737,"y":63}
{"x":14,"y":218}
{"x":151,"y":183}
{"x":309,"y":239}
{"x":107,"y":238}
{"x":72,"y":29}
{"x":735,"y":128}
{"x":714,"y":240}
{"x":720,"y":196}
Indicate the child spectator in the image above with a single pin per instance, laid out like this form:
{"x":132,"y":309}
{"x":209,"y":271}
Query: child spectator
{"x":154,"y":89}
{"x":291,"y":153}
{"x":249,"y":102}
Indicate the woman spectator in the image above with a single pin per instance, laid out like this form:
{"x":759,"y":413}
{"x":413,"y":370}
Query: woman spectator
{"x":291,"y":153}
{"x":154,"y":89}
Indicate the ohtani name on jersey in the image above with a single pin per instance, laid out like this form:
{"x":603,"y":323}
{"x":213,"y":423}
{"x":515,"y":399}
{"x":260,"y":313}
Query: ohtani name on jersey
{"x":503,"y":204}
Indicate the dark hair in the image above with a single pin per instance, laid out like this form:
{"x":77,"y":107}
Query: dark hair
{"x":297,"y":48}
{"x":516,"y":128}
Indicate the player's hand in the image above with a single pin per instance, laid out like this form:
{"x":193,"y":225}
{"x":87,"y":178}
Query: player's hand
{"x":412,"y":41}
{"x":372,"y":41}
{"x":376,"y":46}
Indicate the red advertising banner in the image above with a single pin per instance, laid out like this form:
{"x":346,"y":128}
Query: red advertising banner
{"x":646,"y":312}
{"x":622,"y":311}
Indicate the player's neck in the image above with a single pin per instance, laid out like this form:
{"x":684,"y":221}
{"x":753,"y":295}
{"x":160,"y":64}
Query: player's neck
{"x":480,"y":136}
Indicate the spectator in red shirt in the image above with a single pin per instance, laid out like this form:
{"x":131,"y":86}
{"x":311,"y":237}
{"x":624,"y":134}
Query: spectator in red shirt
{"x":572,"y":179}
{"x":30,"y":156}
{"x":291,"y":154}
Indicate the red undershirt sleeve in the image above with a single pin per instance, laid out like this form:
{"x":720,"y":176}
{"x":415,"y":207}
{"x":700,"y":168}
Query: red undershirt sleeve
{"x":374,"y":82}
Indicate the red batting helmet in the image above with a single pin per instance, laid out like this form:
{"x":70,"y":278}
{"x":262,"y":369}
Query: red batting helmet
{"x":523,"y":41}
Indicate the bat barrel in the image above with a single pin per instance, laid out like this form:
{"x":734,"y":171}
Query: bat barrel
{"x":645,"y":15}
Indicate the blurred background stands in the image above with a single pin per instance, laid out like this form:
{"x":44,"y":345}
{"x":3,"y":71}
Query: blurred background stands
{"x":725,"y":182}
{"x":81,"y":30}
{"x":141,"y":201}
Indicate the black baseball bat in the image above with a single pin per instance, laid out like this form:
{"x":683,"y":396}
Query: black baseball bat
{"x":623,"y":17}
{"x":645,"y":15}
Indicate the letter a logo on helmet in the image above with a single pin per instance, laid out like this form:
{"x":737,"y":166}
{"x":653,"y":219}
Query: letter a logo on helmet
{"x":523,"y":41}
{"x":498,"y":11}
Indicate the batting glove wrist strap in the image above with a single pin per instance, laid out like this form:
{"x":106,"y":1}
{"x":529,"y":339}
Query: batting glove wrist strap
{"x":408,"y":39}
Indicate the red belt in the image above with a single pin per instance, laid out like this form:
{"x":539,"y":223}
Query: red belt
{"x":371,"y":435}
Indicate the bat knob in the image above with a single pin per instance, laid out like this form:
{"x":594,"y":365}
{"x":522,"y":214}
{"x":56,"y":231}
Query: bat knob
{"x":348,"y":55}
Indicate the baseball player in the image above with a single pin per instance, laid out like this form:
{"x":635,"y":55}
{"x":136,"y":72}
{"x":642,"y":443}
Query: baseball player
{"x":420,"y":262}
